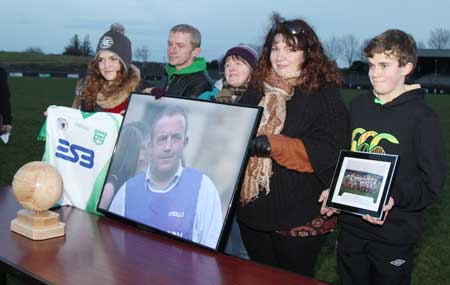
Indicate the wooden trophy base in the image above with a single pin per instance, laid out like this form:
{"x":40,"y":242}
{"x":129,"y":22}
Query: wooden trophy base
{"x":38,"y":226}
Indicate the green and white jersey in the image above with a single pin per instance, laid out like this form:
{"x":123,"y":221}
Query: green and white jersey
{"x":80,"y":145}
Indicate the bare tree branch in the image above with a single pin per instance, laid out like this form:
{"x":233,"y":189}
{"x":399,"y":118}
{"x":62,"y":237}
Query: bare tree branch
{"x":360,"y":53}
{"x":439,"y":39}
{"x":85,"y":47}
{"x":350,"y":45}
{"x":333,"y":48}
{"x":421,"y":44}
{"x":142,"y":54}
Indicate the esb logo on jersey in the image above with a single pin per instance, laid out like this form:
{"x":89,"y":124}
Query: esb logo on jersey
{"x":75,"y":153}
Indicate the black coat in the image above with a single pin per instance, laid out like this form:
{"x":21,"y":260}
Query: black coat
{"x":321,"y":121}
{"x":187,"y":85}
{"x":5,"y":104}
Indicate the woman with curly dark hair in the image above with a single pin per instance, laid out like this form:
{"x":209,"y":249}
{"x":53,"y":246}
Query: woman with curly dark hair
{"x":304,"y":126}
{"x":111,"y":77}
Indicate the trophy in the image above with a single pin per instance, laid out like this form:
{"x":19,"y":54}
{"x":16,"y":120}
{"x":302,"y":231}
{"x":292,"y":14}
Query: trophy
{"x":37,"y":186}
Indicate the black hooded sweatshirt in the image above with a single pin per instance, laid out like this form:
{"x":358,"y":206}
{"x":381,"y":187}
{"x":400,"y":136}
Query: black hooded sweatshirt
{"x":421,"y":167}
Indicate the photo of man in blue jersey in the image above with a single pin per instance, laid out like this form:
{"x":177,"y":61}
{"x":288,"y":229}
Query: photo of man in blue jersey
{"x":168,"y":195}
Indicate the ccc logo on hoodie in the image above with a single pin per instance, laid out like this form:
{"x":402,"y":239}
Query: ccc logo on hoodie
{"x":368,"y":141}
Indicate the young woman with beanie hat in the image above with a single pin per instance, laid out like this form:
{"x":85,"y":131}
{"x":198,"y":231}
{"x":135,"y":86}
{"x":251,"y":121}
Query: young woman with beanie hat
{"x":110,"y":77}
{"x":107,"y":87}
{"x":238,"y":63}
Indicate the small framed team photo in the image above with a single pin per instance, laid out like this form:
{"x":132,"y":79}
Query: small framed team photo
{"x":361,"y":182}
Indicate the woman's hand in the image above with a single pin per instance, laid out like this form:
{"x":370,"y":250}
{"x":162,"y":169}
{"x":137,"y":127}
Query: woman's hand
{"x":260,"y":146}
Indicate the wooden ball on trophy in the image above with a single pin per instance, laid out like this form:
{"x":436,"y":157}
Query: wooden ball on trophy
{"x":37,"y":186}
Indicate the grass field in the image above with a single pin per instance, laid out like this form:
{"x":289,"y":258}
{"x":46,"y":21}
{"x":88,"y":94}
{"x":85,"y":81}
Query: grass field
{"x":7,"y":57}
{"x":43,"y":63}
{"x":31,"y":96}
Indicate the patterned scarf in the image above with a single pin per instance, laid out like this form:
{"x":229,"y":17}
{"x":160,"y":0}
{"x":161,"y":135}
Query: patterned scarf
{"x":277,"y":90}
{"x":230,"y":94}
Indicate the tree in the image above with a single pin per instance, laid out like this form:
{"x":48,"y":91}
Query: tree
{"x":421,"y":44}
{"x":142,"y":54}
{"x":350,"y":47}
{"x":360,"y":54}
{"x":34,"y":50}
{"x":85,"y":48}
{"x":359,"y":66}
{"x":74,"y":47}
{"x":439,"y":39}
{"x":333,"y":48}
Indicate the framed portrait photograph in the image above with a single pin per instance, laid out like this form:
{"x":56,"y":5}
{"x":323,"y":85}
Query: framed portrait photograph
{"x":361,"y":182}
{"x":177,"y":166}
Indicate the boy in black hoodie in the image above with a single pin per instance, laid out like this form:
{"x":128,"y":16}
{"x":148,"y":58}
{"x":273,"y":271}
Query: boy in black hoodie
{"x":372,"y":251}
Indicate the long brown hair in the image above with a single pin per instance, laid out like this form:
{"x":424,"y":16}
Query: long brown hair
{"x":96,"y":83}
{"x":316,"y":71}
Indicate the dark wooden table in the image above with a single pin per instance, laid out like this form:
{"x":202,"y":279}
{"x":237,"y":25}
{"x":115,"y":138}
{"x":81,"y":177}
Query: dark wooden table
{"x":100,"y":250}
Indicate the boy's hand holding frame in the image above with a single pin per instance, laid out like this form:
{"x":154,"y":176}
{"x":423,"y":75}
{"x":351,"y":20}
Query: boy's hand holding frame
{"x":329,"y":211}
{"x":386,"y":210}
{"x":324,"y":210}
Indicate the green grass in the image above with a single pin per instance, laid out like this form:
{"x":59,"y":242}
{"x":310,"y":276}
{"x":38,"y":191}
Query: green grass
{"x":7,"y":57}
{"x":31,"y":96}
{"x":29,"y":62}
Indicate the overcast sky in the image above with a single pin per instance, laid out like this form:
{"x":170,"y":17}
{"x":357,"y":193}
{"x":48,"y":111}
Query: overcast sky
{"x":49,"y":24}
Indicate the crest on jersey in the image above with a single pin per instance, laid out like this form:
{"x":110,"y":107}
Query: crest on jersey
{"x":62,"y":123}
{"x":99,"y":137}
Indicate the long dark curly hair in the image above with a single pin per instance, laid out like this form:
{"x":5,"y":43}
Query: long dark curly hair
{"x":95,"y":83}
{"x":317,"y":69}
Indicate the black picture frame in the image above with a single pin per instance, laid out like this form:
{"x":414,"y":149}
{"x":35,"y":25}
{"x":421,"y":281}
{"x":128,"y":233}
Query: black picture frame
{"x":361,"y":182}
{"x":218,"y":137}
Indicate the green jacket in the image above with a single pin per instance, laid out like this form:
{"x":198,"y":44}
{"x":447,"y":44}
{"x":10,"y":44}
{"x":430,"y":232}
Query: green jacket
{"x":190,"y":81}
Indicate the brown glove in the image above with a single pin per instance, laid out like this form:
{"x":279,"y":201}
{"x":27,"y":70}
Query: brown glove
{"x":290,"y":153}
